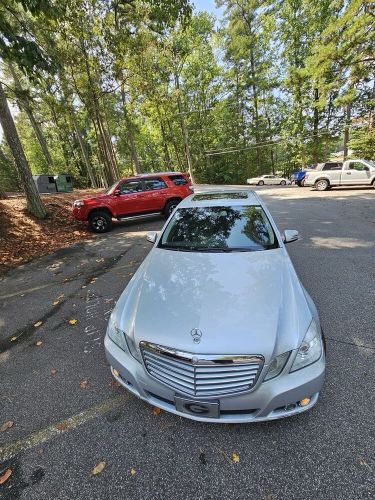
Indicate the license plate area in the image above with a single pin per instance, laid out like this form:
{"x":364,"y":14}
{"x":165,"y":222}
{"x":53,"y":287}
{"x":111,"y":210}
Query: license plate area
{"x":205,"y":409}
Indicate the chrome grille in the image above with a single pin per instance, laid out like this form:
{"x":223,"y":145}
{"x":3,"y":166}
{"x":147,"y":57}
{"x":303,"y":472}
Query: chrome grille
{"x":201,"y":375}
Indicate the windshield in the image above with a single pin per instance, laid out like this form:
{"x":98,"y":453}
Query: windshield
{"x":370,"y":162}
{"x":219,"y":229}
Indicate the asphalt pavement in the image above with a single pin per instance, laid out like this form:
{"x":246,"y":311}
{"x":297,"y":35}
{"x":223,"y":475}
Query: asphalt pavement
{"x":68,"y":415}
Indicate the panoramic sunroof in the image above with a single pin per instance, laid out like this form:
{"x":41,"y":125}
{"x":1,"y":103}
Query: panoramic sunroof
{"x":237,"y":195}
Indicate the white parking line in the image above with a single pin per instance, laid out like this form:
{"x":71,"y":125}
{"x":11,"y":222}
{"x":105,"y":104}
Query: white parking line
{"x":37,"y":438}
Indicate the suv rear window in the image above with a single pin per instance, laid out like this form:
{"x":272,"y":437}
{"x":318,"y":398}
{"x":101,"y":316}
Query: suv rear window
{"x":154,"y":183}
{"x":178,"y":180}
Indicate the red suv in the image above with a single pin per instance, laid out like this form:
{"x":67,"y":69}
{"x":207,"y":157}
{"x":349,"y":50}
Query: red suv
{"x":137,"y":196}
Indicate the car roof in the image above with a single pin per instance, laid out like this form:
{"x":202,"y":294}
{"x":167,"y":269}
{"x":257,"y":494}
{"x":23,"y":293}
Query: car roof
{"x":154,"y":174}
{"x":221,"y":197}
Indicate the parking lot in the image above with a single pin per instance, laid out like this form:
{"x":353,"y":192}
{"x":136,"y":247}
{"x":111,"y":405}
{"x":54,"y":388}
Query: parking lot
{"x":68,"y":415}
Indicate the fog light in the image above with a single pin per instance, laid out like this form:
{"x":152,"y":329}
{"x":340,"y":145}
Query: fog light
{"x":290,"y":407}
{"x":304,"y":401}
{"x":115,"y":372}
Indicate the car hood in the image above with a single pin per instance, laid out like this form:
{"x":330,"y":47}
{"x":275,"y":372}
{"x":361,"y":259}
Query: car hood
{"x":243,"y":303}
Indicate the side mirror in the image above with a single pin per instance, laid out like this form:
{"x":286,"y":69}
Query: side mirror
{"x":366,"y":168}
{"x":116,"y":192}
{"x":290,"y":235}
{"x":152,"y":236}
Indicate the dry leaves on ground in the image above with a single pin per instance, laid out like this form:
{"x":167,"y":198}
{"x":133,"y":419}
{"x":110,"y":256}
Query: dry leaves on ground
{"x":38,"y":343}
{"x":155,"y":410}
{"x":98,"y":468}
{"x":83,"y":384}
{"x":133,"y":472}
{"x":73,"y":321}
{"x":5,"y":476}
{"x":61,"y":426}
{"x":38,"y":323}
{"x":6,"y":425}
{"x":53,"y":371}
{"x":13,"y":339}
{"x":235,"y":458}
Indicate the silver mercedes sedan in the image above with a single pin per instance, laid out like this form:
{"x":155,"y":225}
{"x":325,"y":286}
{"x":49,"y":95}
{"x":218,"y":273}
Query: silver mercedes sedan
{"x":215,"y":324}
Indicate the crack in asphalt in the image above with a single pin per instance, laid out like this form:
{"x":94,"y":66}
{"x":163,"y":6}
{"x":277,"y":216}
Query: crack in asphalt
{"x":351,"y":343}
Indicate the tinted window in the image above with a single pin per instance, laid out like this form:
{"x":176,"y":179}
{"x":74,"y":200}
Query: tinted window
{"x":237,"y":228}
{"x":68,"y":178}
{"x":332,"y":166}
{"x":156,"y":183}
{"x":51,"y":180}
{"x":130,"y":187}
{"x":178,"y":180}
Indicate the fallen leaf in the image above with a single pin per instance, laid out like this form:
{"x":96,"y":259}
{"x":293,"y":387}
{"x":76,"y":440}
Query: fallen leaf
{"x":38,"y":323}
{"x":235,"y":458}
{"x":116,"y":383}
{"x":133,"y":472}
{"x":73,"y":321}
{"x":84,"y":384}
{"x":38,"y":343}
{"x":61,"y":426}
{"x":156,"y":410}
{"x":5,"y":476}
{"x":98,"y":468}
{"x":6,"y":425}
{"x":13,"y":339}
{"x":55,"y":302}
{"x":61,"y":296}
{"x":53,"y":371}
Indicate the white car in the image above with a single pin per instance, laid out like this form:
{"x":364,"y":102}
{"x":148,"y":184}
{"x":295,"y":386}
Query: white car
{"x":268,"y":180}
{"x":215,"y":324}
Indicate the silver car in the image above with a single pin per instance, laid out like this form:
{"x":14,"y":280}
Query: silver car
{"x":215,"y":324}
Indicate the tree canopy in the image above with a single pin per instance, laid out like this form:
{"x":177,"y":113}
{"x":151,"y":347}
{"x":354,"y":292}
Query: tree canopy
{"x":106,"y":88}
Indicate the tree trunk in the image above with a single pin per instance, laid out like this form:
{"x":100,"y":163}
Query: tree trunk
{"x":315,"y":127}
{"x":175,"y":147}
{"x":39,"y":134}
{"x":34,"y":202}
{"x":164,"y":139}
{"x":184,"y":131}
{"x":84,"y":154}
{"x":346,"y":129}
{"x":23,"y":103}
{"x":129,"y":128}
{"x":255,"y":102}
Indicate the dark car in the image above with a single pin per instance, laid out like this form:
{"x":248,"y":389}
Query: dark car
{"x":137,"y":196}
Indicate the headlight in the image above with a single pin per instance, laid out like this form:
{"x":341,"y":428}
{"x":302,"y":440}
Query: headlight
{"x":115,"y":334}
{"x":78,"y":203}
{"x":132,"y":347}
{"x":276,"y":366}
{"x":310,"y":350}
{"x":122,"y":339}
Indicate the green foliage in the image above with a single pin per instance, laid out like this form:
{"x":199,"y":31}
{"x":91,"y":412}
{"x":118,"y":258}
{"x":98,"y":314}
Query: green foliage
{"x":124,"y":82}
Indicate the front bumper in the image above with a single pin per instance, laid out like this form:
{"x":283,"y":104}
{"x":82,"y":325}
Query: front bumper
{"x":270,"y":400}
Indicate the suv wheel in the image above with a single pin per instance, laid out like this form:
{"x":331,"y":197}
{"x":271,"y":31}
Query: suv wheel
{"x":322,"y":185}
{"x":100,"y":222}
{"x":170,"y":206}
